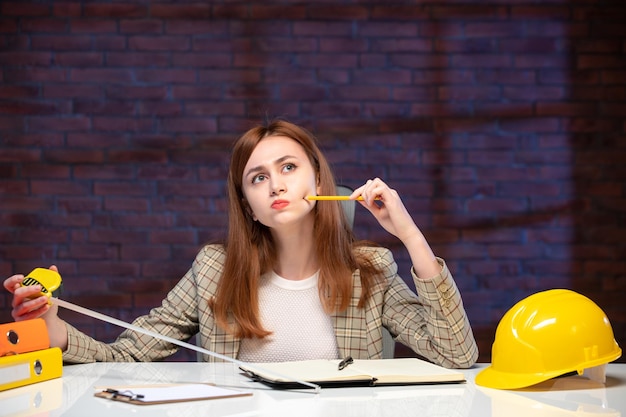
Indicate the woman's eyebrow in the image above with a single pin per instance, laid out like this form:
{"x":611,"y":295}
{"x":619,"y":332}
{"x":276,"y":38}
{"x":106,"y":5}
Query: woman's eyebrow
{"x":276,"y":162}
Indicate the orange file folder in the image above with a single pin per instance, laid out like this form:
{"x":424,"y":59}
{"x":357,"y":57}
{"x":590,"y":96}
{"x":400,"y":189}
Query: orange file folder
{"x":30,"y":368}
{"x":23,"y":336}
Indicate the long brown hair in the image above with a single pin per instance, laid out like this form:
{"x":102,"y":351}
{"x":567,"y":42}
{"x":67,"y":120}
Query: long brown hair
{"x":250,"y":250}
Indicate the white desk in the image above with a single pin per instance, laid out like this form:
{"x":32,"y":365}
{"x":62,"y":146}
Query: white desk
{"x":72,"y":395}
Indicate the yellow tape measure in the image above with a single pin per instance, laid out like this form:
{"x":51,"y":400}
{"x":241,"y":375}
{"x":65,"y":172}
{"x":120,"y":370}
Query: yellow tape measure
{"x":49,"y":280}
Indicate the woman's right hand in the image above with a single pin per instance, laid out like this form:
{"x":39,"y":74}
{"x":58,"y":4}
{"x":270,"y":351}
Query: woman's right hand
{"x":25,"y":308}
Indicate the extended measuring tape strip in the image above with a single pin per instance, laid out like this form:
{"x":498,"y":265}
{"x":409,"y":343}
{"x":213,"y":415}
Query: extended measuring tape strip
{"x":51,"y":280}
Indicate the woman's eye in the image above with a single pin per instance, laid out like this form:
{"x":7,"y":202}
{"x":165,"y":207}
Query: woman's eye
{"x":258,"y":178}
{"x":288,"y":167}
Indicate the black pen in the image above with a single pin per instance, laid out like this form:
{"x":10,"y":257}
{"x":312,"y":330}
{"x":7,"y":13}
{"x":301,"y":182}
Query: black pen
{"x":347,"y":361}
{"x":123,"y":394}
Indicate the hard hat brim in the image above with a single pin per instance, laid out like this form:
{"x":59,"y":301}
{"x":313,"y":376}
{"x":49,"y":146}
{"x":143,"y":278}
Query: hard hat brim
{"x":492,"y":378}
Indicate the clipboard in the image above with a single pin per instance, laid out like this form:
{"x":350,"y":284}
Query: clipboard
{"x":168,"y":393}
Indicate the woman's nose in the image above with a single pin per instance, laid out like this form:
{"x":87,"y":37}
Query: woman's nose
{"x":277,"y":187}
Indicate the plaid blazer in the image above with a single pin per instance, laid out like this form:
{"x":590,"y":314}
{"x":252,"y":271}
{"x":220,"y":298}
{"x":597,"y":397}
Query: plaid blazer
{"x":434,"y":324}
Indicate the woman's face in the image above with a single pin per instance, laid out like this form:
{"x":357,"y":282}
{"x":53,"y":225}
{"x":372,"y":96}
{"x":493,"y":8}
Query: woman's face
{"x":275,"y":181}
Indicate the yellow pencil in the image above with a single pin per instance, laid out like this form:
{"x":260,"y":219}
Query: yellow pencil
{"x":333,"y":197}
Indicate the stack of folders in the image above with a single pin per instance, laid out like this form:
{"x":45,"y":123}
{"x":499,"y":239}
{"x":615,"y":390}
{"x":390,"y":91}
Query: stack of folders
{"x":25,"y":354}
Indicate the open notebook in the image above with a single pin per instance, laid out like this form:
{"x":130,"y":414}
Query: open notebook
{"x":401,"y":371}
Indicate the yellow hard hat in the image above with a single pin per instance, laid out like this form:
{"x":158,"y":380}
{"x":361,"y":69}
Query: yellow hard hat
{"x":545,"y":335}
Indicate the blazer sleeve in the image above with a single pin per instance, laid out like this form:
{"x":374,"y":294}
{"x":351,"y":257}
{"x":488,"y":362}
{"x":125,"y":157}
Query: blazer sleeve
{"x":177,"y":317}
{"x":433,"y":322}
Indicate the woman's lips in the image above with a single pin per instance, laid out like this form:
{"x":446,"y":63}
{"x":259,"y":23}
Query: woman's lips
{"x":279,"y":204}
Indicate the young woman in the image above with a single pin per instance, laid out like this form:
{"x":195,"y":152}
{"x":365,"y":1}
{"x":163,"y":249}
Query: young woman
{"x":290,"y":282}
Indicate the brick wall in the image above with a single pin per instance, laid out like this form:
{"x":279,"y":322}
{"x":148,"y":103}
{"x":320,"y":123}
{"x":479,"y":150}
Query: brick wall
{"x":501,"y":123}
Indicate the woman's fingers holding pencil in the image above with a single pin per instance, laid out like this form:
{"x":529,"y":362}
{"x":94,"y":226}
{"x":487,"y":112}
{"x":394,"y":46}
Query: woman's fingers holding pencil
{"x":373,"y":189}
{"x":390,"y":211}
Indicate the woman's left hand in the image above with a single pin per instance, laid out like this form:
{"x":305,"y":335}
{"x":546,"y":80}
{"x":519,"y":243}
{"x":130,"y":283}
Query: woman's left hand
{"x":387,"y":207}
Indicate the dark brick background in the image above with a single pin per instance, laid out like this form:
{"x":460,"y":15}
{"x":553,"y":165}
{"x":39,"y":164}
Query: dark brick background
{"x":501,"y":123}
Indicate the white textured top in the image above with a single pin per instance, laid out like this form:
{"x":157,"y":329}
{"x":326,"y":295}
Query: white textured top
{"x":300,"y":327}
